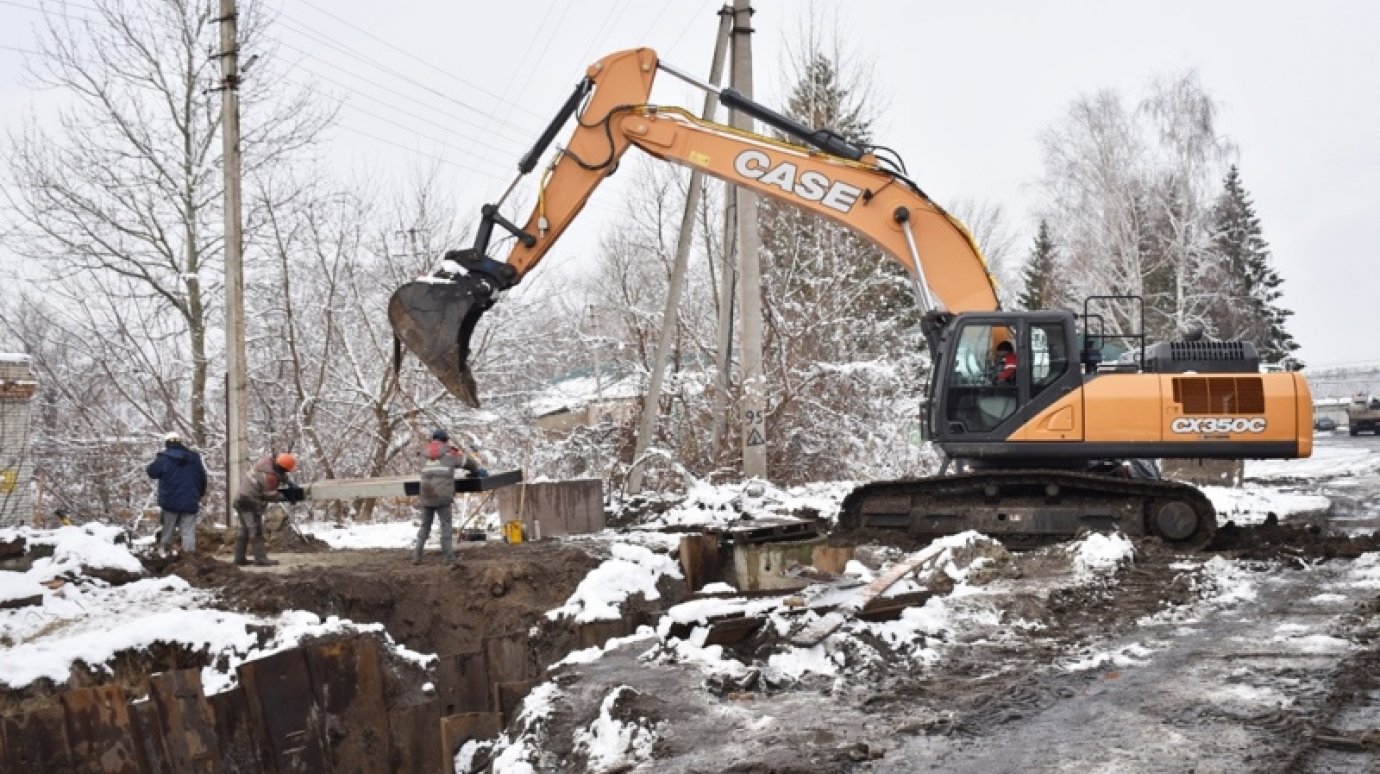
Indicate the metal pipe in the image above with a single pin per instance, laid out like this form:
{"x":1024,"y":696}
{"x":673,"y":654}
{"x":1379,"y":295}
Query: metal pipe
{"x":922,"y":288}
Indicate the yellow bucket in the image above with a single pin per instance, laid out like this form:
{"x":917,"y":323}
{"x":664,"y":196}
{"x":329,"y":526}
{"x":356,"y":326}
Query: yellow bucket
{"x":513,"y":532}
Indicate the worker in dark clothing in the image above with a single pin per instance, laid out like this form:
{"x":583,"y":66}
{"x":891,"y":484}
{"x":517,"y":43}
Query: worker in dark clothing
{"x":436,"y":492}
{"x":259,"y":486}
{"x":181,"y":480}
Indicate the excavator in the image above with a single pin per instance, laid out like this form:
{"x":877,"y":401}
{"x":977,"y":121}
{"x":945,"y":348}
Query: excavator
{"x":1043,"y":437}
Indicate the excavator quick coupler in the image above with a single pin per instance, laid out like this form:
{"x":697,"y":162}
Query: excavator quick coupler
{"x":434,"y":318}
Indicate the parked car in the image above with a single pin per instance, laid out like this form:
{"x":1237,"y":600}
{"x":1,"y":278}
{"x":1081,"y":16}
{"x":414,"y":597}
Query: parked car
{"x":1324,"y":424}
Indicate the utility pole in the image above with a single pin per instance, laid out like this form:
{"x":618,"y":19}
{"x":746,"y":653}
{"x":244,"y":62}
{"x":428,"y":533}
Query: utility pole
{"x":651,"y":405}
{"x":752,"y":416}
{"x":237,"y":436}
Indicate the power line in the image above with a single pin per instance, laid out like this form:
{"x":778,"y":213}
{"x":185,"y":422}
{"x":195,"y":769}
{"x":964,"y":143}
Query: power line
{"x":324,"y":40}
{"x":517,"y":143}
{"x":493,"y":109}
{"x":390,"y":106}
{"x":418,"y":59}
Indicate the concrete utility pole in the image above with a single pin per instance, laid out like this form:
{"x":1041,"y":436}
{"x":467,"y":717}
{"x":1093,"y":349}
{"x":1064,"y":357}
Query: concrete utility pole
{"x":752,"y":418}
{"x":651,"y":406}
{"x":237,"y":440}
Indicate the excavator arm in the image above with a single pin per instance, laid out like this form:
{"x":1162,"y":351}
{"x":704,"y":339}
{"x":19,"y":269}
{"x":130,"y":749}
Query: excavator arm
{"x":435,"y":316}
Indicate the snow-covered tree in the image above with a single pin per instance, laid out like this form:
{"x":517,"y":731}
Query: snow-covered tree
{"x":1253,"y":285}
{"x":1042,"y":285}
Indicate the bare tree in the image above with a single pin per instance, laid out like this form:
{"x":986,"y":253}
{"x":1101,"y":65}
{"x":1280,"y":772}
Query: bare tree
{"x":118,"y":200}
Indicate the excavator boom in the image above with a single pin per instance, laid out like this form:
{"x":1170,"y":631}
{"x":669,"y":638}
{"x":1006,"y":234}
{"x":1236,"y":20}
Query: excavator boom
{"x":435,"y":316}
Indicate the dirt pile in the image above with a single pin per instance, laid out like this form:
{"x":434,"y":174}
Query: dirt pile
{"x":1272,"y":540}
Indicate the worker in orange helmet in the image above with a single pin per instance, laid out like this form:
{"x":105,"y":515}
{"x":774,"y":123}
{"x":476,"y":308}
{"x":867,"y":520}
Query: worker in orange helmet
{"x":261,"y":484}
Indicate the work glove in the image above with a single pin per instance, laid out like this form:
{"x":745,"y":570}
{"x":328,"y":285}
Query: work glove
{"x":480,"y":473}
{"x":293,"y":494}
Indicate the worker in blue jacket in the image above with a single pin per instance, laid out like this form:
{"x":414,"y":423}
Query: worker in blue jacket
{"x":181,"y":480}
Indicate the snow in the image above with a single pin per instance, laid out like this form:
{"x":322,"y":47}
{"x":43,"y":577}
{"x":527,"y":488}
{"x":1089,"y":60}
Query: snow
{"x":15,"y":357}
{"x":796,"y":662}
{"x":1327,"y":462}
{"x":1253,"y":504}
{"x":582,"y":390}
{"x":1099,"y":554}
{"x":632,"y":570}
{"x":707,"y":505}
{"x":1131,"y":655}
{"x":14,"y":585}
{"x":84,"y":620}
{"x":393,"y":534}
{"x":612,"y":744}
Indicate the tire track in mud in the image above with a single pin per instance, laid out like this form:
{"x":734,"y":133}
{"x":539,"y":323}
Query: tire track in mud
{"x":1205,"y":687}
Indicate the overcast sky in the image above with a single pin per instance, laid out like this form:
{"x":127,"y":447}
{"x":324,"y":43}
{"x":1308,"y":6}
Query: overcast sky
{"x":966,"y":89}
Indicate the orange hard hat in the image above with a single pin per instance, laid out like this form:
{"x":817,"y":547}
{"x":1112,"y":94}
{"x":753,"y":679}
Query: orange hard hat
{"x":286,"y":461}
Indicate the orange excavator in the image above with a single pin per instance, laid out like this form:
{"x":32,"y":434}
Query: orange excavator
{"x":1045,"y":438}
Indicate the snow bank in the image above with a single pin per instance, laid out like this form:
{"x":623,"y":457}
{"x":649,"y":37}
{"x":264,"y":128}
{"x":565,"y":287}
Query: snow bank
{"x":709,"y":505}
{"x":1253,"y":504}
{"x":632,"y":570}
{"x":85,"y":620}
{"x":93,"y":546}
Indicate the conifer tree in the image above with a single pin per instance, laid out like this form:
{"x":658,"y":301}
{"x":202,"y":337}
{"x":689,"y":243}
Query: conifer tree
{"x":1040,"y":276}
{"x":1251,"y":311}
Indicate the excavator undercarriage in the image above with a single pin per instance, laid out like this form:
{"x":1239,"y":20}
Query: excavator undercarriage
{"x":1025,"y":508}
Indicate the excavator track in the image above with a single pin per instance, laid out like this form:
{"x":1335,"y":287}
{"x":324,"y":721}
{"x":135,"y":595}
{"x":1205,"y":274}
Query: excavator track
{"x":1031,"y":507}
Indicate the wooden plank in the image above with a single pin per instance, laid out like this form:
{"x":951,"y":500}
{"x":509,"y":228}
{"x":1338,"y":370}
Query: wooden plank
{"x":462,"y":683}
{"x":347,"y":680}
{"x":36,"y":741}
{"x":733,"y":629}
{"x":238,"y":751}
{"x":699,"y":560}
{"x":832,"y":622}
{"x":416,"y":733}
{"x":188,"y":726}
{"x":99,"y":731}
{"x":833,"y":559}
{"x":507,"y":658}
{"x":508,"y":698}
{"x":284,"y":716}
{"x":890,"y":608}
{"x":460,"y":728}
{"x":148,"y":734}
{"x":588,"y":635}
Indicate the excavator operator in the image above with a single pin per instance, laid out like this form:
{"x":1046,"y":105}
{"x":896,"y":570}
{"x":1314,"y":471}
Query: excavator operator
{"x":1005,"y":364}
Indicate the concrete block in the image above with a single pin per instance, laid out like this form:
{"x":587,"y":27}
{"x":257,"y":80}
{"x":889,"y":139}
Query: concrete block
{"x":574,"y":507}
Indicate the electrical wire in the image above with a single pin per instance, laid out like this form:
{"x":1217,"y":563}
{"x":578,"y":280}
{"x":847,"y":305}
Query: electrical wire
{"x":393,"y":107}
{"x":300,"y":30}
{"x":410,"y":55}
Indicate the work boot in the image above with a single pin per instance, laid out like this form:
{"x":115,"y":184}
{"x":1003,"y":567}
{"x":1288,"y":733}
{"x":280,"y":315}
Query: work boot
{"x":241,"y":543}
{"x":417,"y":553}
{"x":266,"y":562}
{"x":260,"y":551}
{"x":449,"y":560}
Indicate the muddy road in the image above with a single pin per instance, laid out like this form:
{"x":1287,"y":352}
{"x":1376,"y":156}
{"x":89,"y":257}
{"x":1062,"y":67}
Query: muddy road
{"x":1258,"y":655}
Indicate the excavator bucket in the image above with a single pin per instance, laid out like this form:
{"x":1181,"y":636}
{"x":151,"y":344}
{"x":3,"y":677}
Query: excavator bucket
{"x":434,"y":319}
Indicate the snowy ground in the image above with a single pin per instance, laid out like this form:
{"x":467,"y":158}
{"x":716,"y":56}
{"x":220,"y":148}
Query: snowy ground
{"x":1098,"y":619}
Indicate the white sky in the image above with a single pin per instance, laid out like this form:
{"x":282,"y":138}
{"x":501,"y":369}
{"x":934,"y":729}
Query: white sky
{"x":968,"y":87}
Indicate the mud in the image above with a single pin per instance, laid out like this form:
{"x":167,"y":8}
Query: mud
{"x":494,"y":590}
